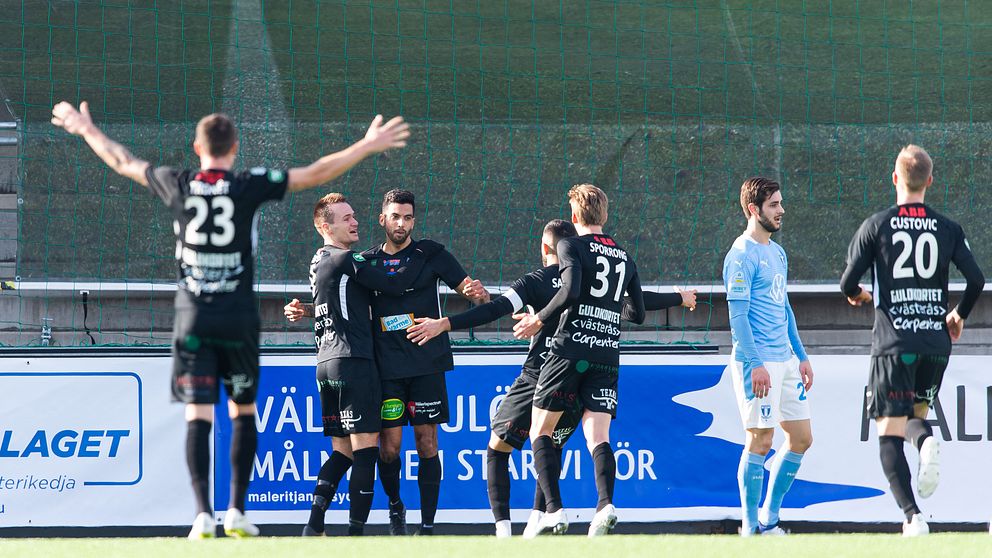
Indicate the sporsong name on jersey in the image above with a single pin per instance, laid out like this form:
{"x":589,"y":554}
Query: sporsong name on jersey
{"x":597,"y":248}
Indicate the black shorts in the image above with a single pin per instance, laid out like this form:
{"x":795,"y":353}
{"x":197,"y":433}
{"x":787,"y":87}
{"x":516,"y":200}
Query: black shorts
{"x":512,"y":421}
{"x":564,"y":382}
{"x":350,"y":394}
{"x":210,"y":347}
{"x":896,"y":383}
{"x":416,"y":400}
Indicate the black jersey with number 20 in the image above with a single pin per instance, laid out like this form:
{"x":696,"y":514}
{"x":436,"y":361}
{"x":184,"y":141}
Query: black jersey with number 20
{"x":589,"y":328}
{"x":909,"y":249}
{"x":215,"y":223}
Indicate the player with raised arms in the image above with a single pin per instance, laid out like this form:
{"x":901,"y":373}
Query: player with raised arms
{"x":216,"y":329}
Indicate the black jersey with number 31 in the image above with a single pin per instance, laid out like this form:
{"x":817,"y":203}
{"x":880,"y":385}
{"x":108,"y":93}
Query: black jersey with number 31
{"x":909,"y":249}
{"x":215,"y":223}
{"x":589,"y":329}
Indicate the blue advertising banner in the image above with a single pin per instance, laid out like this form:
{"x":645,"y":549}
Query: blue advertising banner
{"x":664,"y":460}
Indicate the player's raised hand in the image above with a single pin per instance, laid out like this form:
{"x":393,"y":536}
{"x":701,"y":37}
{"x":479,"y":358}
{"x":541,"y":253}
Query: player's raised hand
{"x":955,"y":324}
{"x":65,"y":116}
{"x":393,"y":134}
{"x":864,"y":297}
{"x":426,"y":329}
{"x":806,"y":373}
{"x":294,"y":311}
{"x":688,"y":298}
{"x":761,"y":382}
{"x":527,"y":326}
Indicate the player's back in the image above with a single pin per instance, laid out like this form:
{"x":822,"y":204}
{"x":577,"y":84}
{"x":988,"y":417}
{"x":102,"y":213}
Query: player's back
{"x":215,"y":223}
{"x":538,"y":288}
{"x":589,"y":329}
{"x":912,"y":247}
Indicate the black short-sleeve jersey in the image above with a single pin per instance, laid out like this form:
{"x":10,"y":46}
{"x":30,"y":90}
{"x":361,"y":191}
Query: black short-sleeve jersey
{"x":215,"y":222}
{"x":396,"y":356}
{"x":909,"y":249}
{"x":589,"y":328}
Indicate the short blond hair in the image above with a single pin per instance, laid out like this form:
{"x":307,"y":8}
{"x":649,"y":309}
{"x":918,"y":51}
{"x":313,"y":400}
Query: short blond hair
{"x":322,"y":212}
{"x":914,"y":167}
{"x":591,"y":204}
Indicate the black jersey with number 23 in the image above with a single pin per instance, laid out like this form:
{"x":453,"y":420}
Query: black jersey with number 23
{"x":215,"y":223}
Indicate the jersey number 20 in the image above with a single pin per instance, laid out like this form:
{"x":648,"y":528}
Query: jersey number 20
{"x":603,"y":278}
{"x":925,"y":255}
{"x":223,"y":210}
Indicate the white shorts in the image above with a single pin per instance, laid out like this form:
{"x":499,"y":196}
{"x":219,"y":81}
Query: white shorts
{"x":786,"y":400}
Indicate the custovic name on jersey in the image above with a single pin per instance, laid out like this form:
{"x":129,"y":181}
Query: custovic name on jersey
{"x":758,"y":273}
{"x":589,"y":329}
{"x":215,"y":222}
{"x":909,"y":249}
{"x":395,"y":355}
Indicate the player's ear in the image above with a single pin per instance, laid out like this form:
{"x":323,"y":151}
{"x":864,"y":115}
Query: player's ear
{"x":197,"y":148}
{"x":895,"y":178}
{"x":929,"y":181}
{"x":234,"y":149}
{"x":382,"y":220}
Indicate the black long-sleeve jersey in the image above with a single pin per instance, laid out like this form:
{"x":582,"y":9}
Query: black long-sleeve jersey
{"x":909,"y":249}
{"x":596,"y":272}
{"x":341,"y":282}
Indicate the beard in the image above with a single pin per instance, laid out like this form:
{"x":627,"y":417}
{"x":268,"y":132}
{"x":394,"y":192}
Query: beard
{"x":398,"y":237}
{"x":768,"y":224}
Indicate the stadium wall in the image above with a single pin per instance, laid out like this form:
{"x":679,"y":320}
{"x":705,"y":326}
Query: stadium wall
{"x":97,"y":433}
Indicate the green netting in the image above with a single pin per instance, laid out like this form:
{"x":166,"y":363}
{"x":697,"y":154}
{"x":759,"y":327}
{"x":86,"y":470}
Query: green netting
{"x":666,"y":105}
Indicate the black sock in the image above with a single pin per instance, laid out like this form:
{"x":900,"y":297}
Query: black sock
{"x":328,"y":477}
{"x":362,"y":484}
{"x":497,"y":465}
{"x":198,"y":460}
{"x":429,"y":480}
{"x":606,"y":473}
{"x":540,"y":504}
{"x":548,"y":467}
{"x":897,"y":471}
{"x":389,"y":478}
{"x":244,"y":442}
{"x":917,"y":430}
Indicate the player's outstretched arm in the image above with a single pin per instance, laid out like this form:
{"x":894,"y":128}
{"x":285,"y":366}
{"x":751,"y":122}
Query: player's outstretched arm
{"x":376,"y":278}
{"x":571,"y":286}
{"x":379,"y":137}
{"x":426,"y":329}
{"x":116,"y":156}
{"x":637,"y":312}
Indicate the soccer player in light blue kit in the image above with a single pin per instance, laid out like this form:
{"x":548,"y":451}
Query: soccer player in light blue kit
{"x":770,"y":369}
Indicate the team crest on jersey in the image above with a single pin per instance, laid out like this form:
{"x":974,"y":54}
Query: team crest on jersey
{"x":737,"y":284}
{"x":276,"y":175}
{"x":766,"y":412}
{"x":358,"y":257}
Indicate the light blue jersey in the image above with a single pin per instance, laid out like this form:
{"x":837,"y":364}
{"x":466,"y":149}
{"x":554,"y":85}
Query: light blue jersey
{"x":757,"y":273}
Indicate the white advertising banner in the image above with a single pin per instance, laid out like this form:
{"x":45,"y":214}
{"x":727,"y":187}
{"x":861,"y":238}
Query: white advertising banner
{"x":91,"y":442}
{"x":96,"y":442}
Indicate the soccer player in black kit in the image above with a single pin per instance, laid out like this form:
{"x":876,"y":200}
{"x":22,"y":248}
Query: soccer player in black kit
{"x":909,"y":248}
{"x":414,"y":390}
{"x":216,"y":330}
{"x":342,"y":282}
{"x":584,"y":360}
{"x":511,"y":424}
